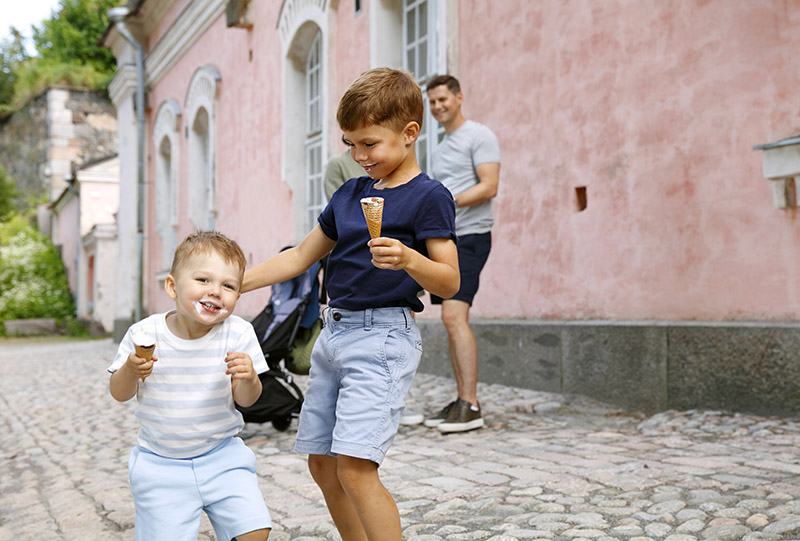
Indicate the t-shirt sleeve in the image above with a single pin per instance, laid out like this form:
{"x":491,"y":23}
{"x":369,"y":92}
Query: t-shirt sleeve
{"x":124,"y":349}
{"x":327,"y":218}
{"x":485,"y":147}
{"x":436,"y":217}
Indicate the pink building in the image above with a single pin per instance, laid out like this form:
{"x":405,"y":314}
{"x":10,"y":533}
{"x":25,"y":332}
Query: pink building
{"x":639,"y":254}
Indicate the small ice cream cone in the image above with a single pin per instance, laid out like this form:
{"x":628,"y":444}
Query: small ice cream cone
{"x":144,"y":345}
{"x":373,"y":212}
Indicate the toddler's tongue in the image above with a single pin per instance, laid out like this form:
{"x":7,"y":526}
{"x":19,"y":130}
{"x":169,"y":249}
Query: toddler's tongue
{"x":201,"y":309}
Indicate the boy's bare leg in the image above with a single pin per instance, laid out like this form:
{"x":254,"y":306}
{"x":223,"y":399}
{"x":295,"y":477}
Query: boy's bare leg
{"x":255,"y":535}
{"x":463,"y":348}
{"x":323,"y":469}
{"x":373,"y":503}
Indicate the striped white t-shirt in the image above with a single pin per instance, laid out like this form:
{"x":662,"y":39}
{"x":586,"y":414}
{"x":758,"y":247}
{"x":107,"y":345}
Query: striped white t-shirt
{"x":185,"y":407}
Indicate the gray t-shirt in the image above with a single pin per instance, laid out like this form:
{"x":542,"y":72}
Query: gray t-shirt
{"x":453,"y":163}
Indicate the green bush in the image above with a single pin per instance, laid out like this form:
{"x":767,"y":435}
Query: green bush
{"x":33,"y":282}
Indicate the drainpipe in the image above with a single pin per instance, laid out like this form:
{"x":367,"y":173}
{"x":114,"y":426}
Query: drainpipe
{"x":117,"y":15}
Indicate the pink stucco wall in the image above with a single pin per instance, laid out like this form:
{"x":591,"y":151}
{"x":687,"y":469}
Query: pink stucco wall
{"x":654,"y":107}
{"x":254,"y":205}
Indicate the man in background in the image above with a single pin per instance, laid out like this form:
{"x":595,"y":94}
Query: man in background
{"x":467,"y":162}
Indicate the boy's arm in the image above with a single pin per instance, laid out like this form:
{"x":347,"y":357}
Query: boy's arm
{"x":289,"y":263}
{"x":124,"y":383}
{"x":437,"y":273}
{"x":245,"y":383}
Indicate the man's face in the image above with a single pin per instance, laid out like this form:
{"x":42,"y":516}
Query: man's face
{"x":445,"y":106}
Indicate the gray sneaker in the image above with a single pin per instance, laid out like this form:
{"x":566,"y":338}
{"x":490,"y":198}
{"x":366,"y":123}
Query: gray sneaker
{"x":463,"y":417}
{"x":436,"y":420}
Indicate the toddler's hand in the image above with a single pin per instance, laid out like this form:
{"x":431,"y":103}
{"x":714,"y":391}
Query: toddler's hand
{"x":240,"y":366}
{"x":388,"y":253}
{"x":140,"y":367}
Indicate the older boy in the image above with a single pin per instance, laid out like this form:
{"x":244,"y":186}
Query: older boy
{"x":189,"y":459}
{"x":367,"y":354}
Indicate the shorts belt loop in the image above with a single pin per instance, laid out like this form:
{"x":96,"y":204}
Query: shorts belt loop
{"x":405,"y":317}
{"x":367,"y":319}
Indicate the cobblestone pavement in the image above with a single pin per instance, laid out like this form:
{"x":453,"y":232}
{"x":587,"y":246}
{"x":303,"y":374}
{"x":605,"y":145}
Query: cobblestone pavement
{"x":547,"y":466}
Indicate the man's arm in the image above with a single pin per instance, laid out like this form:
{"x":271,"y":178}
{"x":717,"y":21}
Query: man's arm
{"x":485,"y":189}
{"x":289,"y":263}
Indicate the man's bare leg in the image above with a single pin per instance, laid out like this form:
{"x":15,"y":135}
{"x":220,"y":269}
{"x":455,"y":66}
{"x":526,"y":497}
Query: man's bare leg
{"x":463,"y":348}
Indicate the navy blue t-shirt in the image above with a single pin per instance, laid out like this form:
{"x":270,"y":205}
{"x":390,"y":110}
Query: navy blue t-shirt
{"x":412,"y":212}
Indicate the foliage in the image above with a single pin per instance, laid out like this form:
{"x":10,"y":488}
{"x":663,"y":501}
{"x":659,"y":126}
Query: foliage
{"x":71,"y":35}
{"x":67,"y":53}
{"x":8,"y":195}
{"x":33,"y":282}
{"x":12,"y":56}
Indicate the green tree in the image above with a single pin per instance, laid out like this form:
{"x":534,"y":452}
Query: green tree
{"x":67,"y":53}
{"x":71,"y":35}
{"x":12,"y":56}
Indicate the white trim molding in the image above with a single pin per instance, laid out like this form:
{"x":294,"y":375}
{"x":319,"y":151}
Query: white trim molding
{"x":184,"y":32}
{"x":167,"y":126}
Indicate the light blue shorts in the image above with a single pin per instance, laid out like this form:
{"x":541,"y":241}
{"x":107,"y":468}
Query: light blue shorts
{"x":171,"y":493}
{"x":362,"y":367}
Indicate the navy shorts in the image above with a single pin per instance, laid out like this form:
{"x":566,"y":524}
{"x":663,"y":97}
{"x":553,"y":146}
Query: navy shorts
{"x":473,"y":251}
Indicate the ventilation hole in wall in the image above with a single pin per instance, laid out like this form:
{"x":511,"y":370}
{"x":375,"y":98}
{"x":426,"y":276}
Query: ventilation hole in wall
{"x":580,"y":198}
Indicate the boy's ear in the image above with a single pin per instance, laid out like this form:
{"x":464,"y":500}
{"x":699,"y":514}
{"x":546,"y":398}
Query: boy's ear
{"x":169,"y":286}
{"x":411,"y":132}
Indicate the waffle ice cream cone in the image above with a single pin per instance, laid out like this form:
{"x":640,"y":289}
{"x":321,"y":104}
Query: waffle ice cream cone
{"x":144,"y":345}
{"x":373,"y":212}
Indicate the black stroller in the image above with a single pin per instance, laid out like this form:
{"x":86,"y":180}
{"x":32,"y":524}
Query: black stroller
{"x":286,"y":329}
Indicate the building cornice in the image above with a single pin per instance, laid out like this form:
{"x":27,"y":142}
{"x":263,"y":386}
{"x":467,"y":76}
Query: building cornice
{"x":123,"y":85}
{"x":187,"y":28}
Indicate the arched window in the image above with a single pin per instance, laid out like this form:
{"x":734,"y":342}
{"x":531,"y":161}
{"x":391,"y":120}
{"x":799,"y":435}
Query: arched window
{"x":200,"y":110}
{"x":166,"y":143}
{"x":303,"y":27}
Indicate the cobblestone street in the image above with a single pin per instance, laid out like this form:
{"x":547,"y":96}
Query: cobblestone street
{"x":547,"y":466}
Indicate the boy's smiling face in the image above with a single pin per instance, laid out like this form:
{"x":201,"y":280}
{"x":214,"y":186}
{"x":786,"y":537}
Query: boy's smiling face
{"x":383,"y":152}
{"x":205,"y":289}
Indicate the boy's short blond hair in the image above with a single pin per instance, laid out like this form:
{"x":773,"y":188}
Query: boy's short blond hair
{"x":384,"y":97}
{"x":205,"y":242}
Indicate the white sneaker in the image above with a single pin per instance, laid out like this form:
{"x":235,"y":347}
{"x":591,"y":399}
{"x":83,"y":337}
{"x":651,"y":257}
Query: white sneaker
{"x":411,"y":418}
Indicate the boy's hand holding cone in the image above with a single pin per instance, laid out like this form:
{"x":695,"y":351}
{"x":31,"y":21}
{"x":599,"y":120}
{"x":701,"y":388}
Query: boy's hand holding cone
{"x":144,"y":344}
{"x":373,"y":212}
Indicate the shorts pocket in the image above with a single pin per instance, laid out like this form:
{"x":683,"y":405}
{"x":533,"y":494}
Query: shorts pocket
{"x":133,"y":459}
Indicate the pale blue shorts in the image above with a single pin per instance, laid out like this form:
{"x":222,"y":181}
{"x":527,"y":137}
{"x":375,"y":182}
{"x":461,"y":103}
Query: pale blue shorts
{"x":362,"y":367}
{"x":171,"y":493}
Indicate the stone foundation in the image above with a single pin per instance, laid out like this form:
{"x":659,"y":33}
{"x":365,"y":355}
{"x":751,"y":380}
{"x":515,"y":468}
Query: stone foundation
{"x":640,"y":366}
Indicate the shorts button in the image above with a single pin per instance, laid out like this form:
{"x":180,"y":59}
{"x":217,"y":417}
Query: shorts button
{"x":337,"y":316}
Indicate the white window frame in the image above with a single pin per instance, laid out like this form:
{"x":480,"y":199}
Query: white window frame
{"x":202,"y":96}
{"x":166,"y":130}
{"x":315,"y":195}
{"x":431,"y":132}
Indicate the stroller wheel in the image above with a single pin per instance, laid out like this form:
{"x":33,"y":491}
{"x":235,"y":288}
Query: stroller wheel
{"x":282,"y":424}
